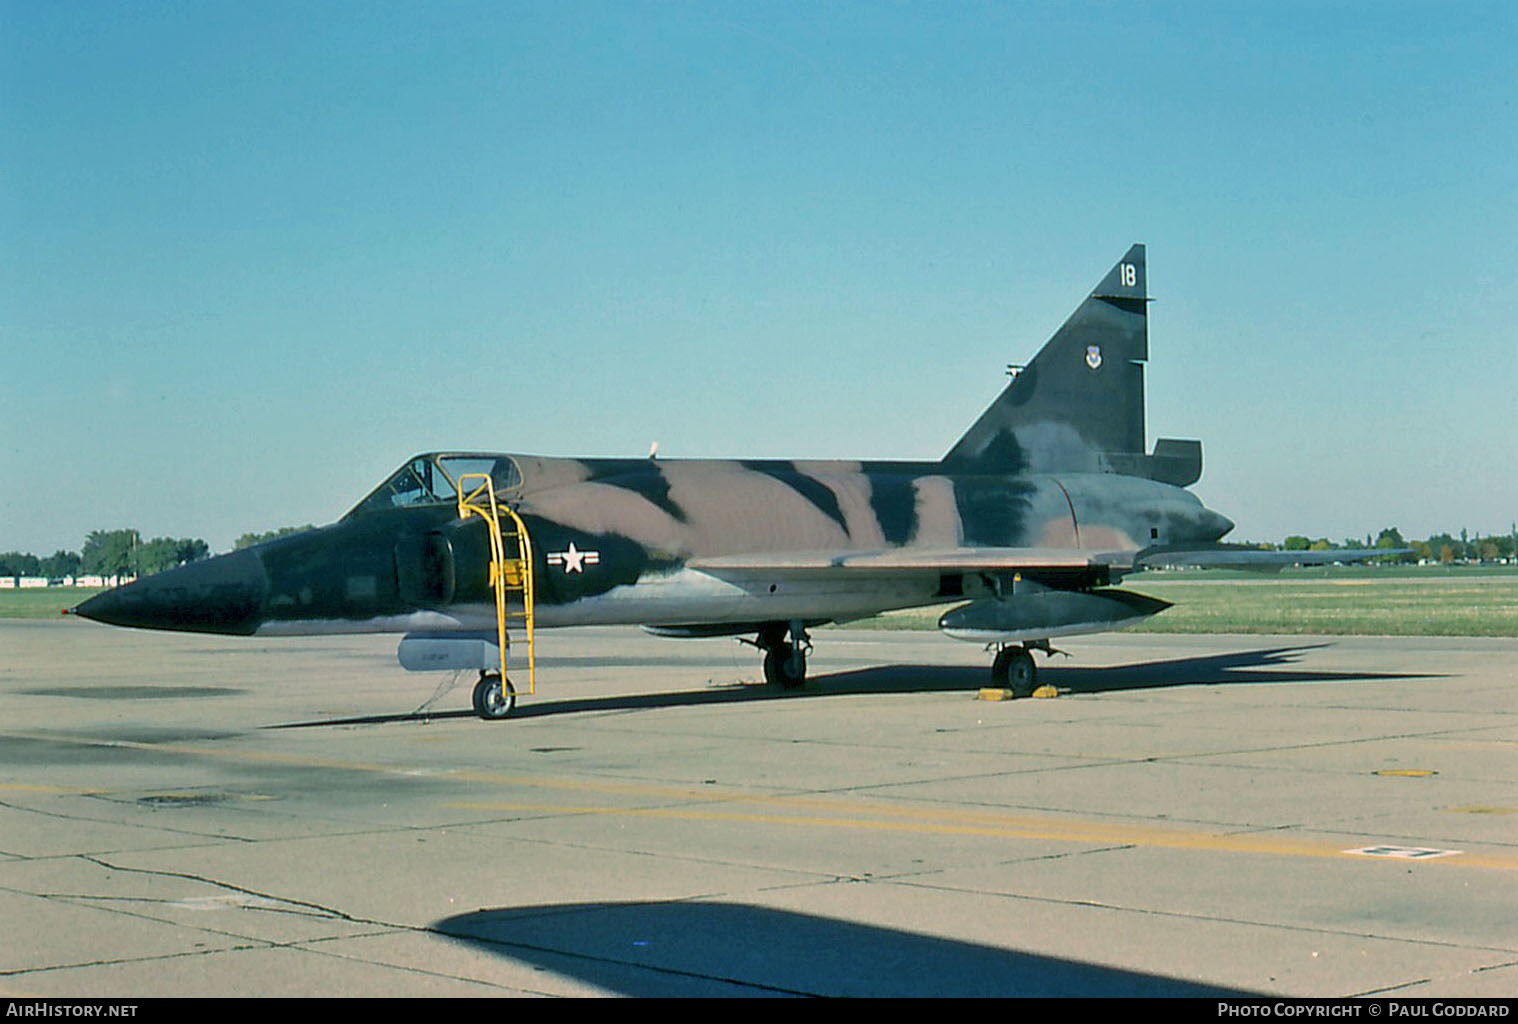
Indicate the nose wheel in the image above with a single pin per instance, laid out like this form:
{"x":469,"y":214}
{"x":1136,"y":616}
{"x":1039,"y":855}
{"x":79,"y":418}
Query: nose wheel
{"x":494,"y":696}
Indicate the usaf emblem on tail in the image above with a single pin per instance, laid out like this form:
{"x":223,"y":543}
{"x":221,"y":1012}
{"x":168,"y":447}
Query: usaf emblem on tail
{"x":1025,"y":526}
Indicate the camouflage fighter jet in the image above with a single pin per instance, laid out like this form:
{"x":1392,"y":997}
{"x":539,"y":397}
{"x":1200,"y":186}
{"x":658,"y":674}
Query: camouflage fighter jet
{"x":1047,"y":501}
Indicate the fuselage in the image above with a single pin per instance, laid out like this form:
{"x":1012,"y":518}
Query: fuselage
{"x":622,"y":541}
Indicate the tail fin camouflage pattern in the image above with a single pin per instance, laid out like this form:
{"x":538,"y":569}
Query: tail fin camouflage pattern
{"x":1079,"y":405}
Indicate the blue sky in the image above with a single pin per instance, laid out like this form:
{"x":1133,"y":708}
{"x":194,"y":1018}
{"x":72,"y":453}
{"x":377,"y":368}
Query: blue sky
{"x":255,"y":254}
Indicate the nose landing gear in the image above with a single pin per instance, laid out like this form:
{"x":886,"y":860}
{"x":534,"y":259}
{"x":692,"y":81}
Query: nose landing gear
{"x":494,"y":696}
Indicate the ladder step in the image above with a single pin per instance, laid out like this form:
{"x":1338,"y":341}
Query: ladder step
{"x":508,"y":575}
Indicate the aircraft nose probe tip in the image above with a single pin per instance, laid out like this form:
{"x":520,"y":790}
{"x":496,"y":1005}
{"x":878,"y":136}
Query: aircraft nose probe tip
{"x":1219,"y":525}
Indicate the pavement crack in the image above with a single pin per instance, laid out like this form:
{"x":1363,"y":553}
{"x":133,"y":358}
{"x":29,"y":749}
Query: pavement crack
{"x":1214,"y":918}
{"x":157,"y":827}
{"x":116,"y":961}
{"x":318,"y":909}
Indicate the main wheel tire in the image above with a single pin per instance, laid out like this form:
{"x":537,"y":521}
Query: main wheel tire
{"x":1014,"y":670}
{"x":494,"y":697}
{"x":784,"y":665}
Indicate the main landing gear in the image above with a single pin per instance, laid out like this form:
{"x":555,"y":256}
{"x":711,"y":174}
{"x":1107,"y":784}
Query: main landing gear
{"x":1013,"y":669}
{"x":494,"y":696}
{"x":785,"y":648}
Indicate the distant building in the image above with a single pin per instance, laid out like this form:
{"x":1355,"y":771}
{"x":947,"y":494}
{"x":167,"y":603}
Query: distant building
{"x":34,"y":582}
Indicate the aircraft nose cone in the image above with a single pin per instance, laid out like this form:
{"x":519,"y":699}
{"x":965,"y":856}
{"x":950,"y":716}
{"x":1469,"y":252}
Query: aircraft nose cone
{"x":220,"y":595}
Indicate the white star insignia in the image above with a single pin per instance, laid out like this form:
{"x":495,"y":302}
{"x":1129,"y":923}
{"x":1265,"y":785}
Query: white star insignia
{"x":574,"y":560}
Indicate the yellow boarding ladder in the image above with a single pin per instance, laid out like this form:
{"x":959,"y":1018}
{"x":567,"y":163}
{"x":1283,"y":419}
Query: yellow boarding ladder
{"x":508,"y":575}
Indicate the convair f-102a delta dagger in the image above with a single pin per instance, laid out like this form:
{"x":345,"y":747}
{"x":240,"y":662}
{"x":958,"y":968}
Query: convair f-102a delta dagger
{"x":1026,"y":525}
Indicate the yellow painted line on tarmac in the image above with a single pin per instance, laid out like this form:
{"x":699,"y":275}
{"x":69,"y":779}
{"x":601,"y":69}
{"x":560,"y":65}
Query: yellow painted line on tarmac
{"x":876,"y":818}
{"x":376,"y":768}
{"x":21,"y":787}
{"x":860,"y":814}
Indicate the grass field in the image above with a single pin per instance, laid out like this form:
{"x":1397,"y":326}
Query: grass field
{"x":1394,"y":601}
{"x":42,"y":602}
{"x":1364,"y":602}
{"x":1391,"y":601}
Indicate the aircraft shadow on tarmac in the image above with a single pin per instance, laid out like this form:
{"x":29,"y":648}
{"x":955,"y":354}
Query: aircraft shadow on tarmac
{"x":1264,"y":665}
{"x":682,"y":948}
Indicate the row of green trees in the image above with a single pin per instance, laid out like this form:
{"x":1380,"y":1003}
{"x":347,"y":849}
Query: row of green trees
{"x":108,"y":553}
{"x":1441,"y":547}
{"x":124,"y":553}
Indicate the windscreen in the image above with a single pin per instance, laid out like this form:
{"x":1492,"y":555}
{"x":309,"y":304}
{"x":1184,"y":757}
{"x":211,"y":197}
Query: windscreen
{"x":433,"y":480}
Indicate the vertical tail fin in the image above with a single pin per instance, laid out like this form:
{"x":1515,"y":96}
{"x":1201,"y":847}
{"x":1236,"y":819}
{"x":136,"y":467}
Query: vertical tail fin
{"x":1079,"y":405}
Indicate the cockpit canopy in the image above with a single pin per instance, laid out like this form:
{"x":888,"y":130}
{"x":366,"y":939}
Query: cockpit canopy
{"x":433,"y":479}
